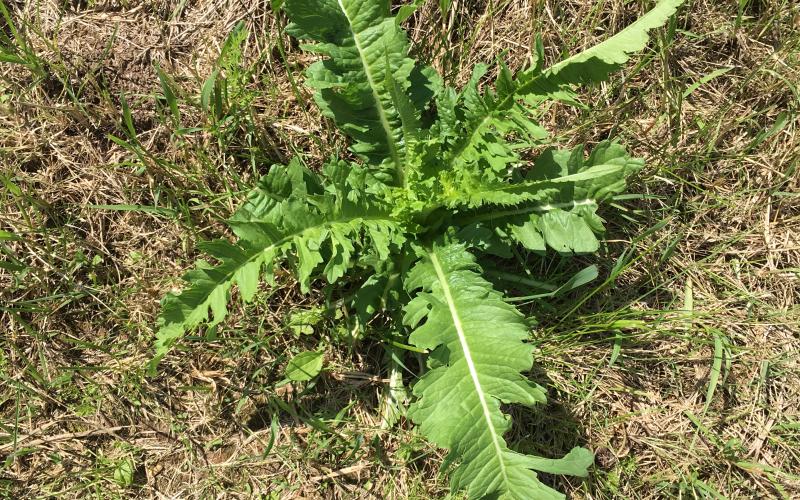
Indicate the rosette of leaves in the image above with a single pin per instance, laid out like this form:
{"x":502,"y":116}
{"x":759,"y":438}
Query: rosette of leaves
{"x":440,"y":182}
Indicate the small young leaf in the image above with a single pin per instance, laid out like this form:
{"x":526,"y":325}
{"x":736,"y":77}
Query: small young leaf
{"x":303,"y":322}
{"x":406,"y":11}
{"x":123,"y":473}
{"x":305,"y":366}
{"x":8,"y":236}
{"x":207,"y":90}
{"x":574,"y":463}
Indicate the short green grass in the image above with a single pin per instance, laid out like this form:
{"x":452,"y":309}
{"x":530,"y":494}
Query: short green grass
{"x":127,"y":133}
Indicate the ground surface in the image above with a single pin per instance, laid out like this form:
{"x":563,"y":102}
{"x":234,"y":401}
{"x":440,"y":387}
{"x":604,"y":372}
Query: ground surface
{"x":679,"y":367}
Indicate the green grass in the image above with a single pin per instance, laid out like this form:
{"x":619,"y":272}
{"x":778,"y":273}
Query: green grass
{"x":108,"y":183}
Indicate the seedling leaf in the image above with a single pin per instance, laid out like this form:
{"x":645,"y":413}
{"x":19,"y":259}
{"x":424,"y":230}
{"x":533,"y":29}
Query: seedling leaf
{"x":305,"y":366}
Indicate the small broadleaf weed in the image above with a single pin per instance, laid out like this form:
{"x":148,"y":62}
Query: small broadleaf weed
{"x":440,"y":183}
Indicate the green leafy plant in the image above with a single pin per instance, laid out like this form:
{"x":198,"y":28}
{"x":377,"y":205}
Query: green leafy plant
{"x":441,"y":184}
{"x":305,"y":366}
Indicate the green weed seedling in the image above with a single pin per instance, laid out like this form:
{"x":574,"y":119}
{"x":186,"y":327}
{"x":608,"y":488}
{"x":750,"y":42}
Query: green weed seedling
{"x":440,"y":189}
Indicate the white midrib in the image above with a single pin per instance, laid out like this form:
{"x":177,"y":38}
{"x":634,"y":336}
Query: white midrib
{"x":462,"y":338}
{"x":387,"y":127}
{"x":547,"y":207}
{"x":594,"y":171}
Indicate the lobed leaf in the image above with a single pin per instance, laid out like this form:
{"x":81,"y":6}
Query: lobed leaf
{"x":479,"y":128}
{"x":595,"y":64}
{"x":557,"y":202}
{"x":478,"y":356}
{"x":365,"y":82}
{"x":287,"y":217}
{"x":598,"y":62}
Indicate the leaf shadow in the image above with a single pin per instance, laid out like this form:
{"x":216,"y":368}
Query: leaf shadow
{"x":550,"y":430}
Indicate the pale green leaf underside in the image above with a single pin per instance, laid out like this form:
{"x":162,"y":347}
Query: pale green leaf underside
{"x":595,"y":63}
{"x":479,"y":354}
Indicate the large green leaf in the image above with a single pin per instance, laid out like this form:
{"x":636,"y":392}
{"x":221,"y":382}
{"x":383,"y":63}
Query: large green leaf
{"x":556,"y":205}
{"x":365,"y":82}
{"x":287,"y":217}
{"x":598,"y":62}
{"x":479,"y":131}
{"x":478,"y":356}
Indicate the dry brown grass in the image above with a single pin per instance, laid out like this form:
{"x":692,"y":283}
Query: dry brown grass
{"x":78,"y":324}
